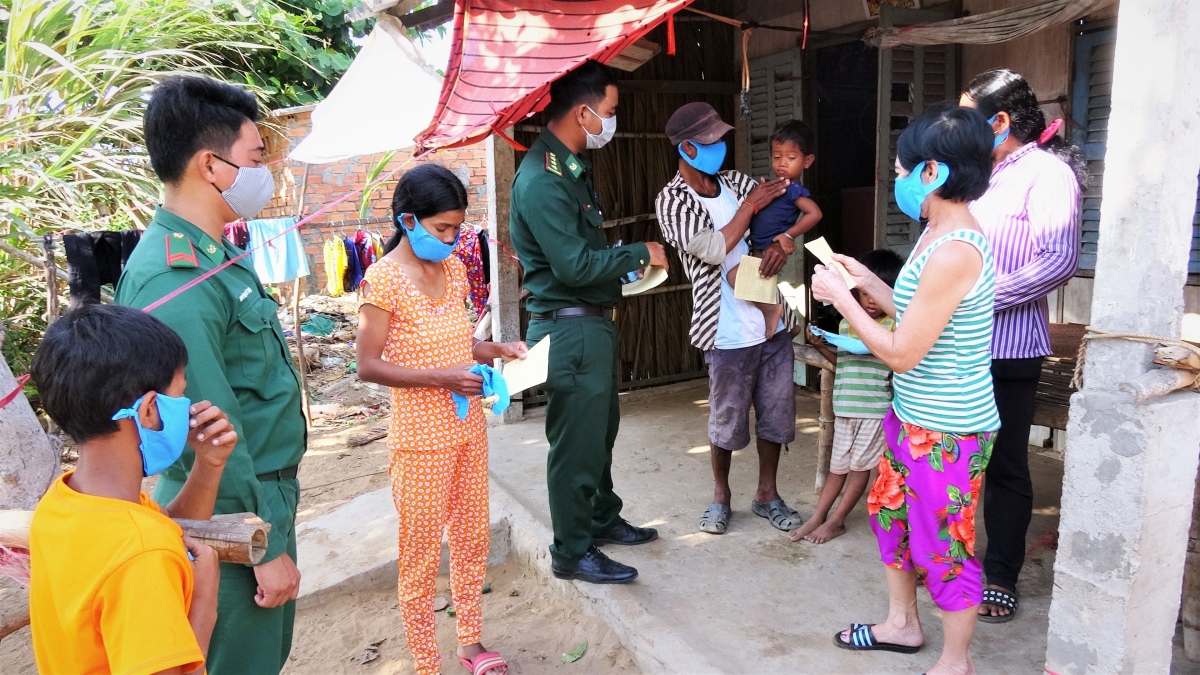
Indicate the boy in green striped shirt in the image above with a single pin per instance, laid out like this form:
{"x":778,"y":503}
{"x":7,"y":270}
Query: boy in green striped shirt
{"x":862,"y":395}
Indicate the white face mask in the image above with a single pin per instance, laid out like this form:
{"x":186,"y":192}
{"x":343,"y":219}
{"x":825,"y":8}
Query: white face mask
{"x":608,"y":129}
{"x":252,"y":189}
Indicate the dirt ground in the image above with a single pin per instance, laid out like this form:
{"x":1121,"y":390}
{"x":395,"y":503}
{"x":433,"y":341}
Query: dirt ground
{"x":529,"y":626}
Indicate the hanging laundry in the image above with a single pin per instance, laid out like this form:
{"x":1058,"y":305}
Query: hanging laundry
{"x":354,"y":271}
{"x":485,"y":255}
{"x":277,"y":253}
{"x":377,"y":242}
{"x":238,"y":234}
{"x":365,"y":249}
{"x":95,"y":259}
{"x":467,"y":250}
{"x":335,"y":267}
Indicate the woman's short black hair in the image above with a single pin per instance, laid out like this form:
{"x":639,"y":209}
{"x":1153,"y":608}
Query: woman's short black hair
{"x":190,"y":113}
{"x":795,"y":131}
{"x":883,"y":263}
{"x":958,"y":137}
{"x":588,"y":84}
{"x":1002,"y":90}
{"x":98,"y":359}
{"x":425,"y":190}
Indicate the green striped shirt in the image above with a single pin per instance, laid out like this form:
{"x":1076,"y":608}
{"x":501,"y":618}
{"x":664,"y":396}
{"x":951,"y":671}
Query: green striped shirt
{"x":950,"y":390}
{"x":862,"y":386}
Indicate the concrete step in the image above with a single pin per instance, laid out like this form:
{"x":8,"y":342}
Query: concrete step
{"x":354,"y":547}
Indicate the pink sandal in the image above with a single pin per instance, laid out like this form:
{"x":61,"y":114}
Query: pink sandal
{"x":483,"y":663}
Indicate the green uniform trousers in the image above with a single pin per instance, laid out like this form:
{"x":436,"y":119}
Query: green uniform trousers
{"x":250,"y":640}
{"x":582,"y":417}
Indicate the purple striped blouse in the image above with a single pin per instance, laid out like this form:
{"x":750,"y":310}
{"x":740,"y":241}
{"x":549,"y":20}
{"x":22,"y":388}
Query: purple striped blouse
{"x":1030,"y":214}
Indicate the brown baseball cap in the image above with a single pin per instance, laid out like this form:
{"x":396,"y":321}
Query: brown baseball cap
{"x":697,"y":122}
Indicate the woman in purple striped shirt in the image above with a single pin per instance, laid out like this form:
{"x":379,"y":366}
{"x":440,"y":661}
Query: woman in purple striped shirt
{"x":1030,"y":215}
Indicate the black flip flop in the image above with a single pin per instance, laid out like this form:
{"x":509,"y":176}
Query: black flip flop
{"x":998,"y":597}
{"x":862,"y":639}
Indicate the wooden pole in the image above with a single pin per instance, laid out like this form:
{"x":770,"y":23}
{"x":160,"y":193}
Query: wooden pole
{"x":52,"y":311}
{"x":825,"y":432}
{"x":300,"y":351}
{"x":300,"y":202}
{"x":1191,"y":585}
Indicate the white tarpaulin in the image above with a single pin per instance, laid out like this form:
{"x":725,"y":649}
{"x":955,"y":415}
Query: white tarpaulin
{"x":386,"y":97}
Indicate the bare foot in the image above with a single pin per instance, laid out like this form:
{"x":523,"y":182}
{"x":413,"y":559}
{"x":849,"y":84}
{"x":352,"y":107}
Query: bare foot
{"x":909,"y":635}
{"x":806,"y":529}
{"x":471,"y":652}
{"x":830,"y":530}
{"x":961,"y":668}
{"x":995,"y":610}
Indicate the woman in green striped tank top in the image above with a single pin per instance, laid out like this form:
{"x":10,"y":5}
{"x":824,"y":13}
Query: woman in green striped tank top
{"x":943,"y":418}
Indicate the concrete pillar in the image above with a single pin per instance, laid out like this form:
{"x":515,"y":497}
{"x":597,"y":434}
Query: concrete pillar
{"x":1130,"y":468}
{"x":506,"y":289}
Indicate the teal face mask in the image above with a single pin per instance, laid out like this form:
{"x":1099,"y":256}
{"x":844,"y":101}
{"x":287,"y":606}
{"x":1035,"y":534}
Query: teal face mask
{"x":1002,"y":137}
{"x":425,"y":245}
{"x":911,"y":192}
{"x":161,"y":447}
{"x":708,"y":157}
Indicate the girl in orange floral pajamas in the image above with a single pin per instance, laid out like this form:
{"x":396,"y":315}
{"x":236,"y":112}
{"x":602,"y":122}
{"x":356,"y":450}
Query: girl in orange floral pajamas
{"x":414,"y":335}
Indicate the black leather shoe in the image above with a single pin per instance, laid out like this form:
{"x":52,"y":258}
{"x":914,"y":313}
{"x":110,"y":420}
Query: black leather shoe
{"x":595,"y":568}
{"x":625,"y":534}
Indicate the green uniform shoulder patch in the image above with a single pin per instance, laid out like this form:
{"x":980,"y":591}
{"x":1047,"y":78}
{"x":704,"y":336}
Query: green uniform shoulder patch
{"x":552,"y":165}
{"x":180,"y":252}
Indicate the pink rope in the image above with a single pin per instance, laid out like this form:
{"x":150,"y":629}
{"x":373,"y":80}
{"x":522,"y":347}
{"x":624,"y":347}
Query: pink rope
{"x":214,"y":271}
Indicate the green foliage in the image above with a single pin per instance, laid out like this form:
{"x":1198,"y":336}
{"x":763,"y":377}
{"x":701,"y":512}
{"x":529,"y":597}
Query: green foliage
{"x":75,"y":77}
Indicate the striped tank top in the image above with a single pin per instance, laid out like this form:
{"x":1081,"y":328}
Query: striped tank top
{"x":950,"y":390}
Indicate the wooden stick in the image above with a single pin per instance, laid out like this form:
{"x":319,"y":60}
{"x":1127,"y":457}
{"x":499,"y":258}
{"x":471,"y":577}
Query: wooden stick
{"x":1177,"y":357}
{"x":37,"y":262}
{"x":825,"y":429}
{"x":300,"y":352}
{"x":1159,"y":382}
{"x":236,"y":537}
{"x":51,"y":280}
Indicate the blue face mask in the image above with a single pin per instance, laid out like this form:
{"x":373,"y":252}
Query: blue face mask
{"x":424,"y":244}
{"x":160,"y":448}
{"x":911,"y":192}
{"x":850,"y":344}
{"x":708,"y":157}
{"x":1002,"y":137}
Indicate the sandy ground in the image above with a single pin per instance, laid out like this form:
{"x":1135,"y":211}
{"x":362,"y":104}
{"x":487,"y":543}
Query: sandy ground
{"x":531,"y":627}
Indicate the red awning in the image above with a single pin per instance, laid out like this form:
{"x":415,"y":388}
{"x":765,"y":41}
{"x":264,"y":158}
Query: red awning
{"x":505,"y":54}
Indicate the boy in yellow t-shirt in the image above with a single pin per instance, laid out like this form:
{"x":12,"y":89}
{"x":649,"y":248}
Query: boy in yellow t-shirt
{"x":115,"y":586}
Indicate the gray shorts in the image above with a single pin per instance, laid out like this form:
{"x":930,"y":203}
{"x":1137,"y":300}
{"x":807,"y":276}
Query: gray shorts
{"x":760,"y":376}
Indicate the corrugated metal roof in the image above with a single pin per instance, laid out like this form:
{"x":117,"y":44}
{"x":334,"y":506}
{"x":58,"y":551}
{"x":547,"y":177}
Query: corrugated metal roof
{"x":505,"y":54}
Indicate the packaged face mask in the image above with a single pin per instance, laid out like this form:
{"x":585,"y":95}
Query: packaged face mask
{"x":850,"y":344}
{"x":160,"y":448}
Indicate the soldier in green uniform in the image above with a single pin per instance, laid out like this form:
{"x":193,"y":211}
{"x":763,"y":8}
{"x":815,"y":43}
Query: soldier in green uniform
{"x":574,"y":279}
{"x":204,"y":145}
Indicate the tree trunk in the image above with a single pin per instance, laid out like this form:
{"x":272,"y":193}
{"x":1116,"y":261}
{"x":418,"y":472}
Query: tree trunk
{"x":28,"y":460}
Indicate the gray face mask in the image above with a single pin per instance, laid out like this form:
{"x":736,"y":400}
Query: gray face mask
{"x":252,"y":189}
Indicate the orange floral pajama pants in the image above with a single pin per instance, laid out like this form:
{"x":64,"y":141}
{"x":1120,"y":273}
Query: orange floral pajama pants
{"x":433,"y":491}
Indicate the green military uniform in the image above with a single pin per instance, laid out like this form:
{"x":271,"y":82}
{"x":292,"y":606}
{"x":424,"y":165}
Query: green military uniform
{"x":555,"y":228}
{"x":238,"y":360}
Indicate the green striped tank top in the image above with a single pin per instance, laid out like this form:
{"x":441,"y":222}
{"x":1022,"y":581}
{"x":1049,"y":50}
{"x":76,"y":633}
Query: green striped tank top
{"x":862,"y":384}
{"x":951,"y":388}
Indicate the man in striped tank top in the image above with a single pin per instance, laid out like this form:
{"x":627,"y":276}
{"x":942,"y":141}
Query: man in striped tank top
{"x":862,"y":396}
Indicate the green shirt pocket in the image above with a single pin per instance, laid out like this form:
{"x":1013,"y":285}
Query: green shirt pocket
{"x":256,"y":341}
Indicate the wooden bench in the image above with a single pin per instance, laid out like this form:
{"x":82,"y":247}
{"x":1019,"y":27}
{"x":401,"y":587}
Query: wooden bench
{"x":1053,"y":397}
{"x":1052,"y":400}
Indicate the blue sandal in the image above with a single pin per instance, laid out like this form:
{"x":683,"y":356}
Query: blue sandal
{"x":863,"y":640}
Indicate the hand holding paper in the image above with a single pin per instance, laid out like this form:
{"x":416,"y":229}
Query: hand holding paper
{"x":820,"y":248}
{"x":530,"y":371}
{"x":752,"y":287}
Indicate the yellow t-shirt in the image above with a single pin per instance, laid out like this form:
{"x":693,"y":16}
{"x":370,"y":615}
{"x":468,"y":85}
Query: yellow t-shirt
{"x":110,"y":586}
